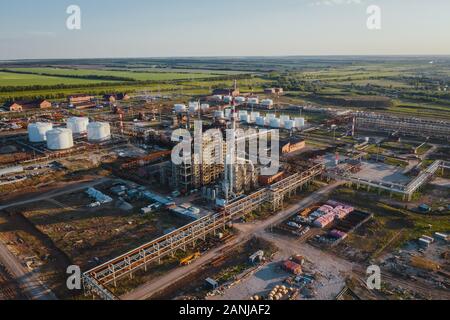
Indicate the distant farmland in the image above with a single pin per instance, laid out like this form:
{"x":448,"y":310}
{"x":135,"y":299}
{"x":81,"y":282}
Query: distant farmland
{"x":24,"y":80}
{"x":120,"y":75}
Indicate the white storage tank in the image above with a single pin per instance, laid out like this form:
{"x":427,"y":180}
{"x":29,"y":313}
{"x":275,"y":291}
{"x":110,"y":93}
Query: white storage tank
{"x":244,"y":118}
{"x":254,"y":115}
{"x":240,"y":100}
{"x":219,"y":114}
{"x":283,"y":119}
{"x":253,"y":101}
{"x":205,"y":107}
{"x":299,"y":122}
{"x":37,"y":131}
{"x":289,"y":124}
{"x":179,"y":108}
{"x":194,"y":107}
{"x":261,"y":121}
{"x":275,"y":123}
{"x":59,"y":139}
{"x":227,"y":113}
{"x":99,"y":131}
{"x":78,"y":125}
{"x":227,"y":99}
{"x":267,"y":103}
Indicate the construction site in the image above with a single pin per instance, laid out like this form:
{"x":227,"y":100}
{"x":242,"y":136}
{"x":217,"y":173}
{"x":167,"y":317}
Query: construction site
{"x":99,"y":189}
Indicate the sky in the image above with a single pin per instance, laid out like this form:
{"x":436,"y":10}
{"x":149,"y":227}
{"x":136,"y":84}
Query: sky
{"x":31,"y":29}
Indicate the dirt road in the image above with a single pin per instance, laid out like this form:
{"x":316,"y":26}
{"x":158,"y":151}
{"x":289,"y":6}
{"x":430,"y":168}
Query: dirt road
{"x":56,"y":193}
{"x":32,"y":287}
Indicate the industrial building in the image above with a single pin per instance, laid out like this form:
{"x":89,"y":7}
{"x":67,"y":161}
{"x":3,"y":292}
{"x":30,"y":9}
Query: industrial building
{"x":292,"y":145}
{"x":364,"y":121}
{"x":19,"y":106}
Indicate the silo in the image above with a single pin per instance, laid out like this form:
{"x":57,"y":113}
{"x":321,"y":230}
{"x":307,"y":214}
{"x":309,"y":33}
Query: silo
{"x":194,"y":107}
{"x":179,"y":108}
{"x":283,"y":119}
{"x":59,"y":139}
{"x":267,"y":103}
{"x":289,"y":124}
{"x":244,"y":118}
{"x":254,"y":115}
{"x":275,"y":123}
{"x":37,"y":131}
{"x":299,"y":122}
{"x":99,"y":131}
{"x":261,"y":121}
{"x":253,"y":101}
{"x":78,"y":125}
{"x":240,"y":100}
{"x":219,"y":114}
{"x":227,"y":99}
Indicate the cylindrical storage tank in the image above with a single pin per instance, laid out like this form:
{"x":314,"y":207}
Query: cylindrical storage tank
{"x":194,"y":107}
{"x":283,"y":119}
{"x":227,"y":99}
{"x":180,"y":108}
{"x":267,"y":103}
{"x":255,"y":115}
{"x":253,"y":101}
{"x":227,"y":113}
{"x":261,"y":121}
{"x":240,"y":100}
{"x":275,"y":123}
{"x":299,"y":122}
{"x":99,"y":131}
{"x":219,"y":114}
{"x":271,"y":116}
{"x":59,"y":139}
{"x":244,"y":118}
{"x":205,"y":107}
{"x":37,"y":131}
{"x":78,"y":125}
{"x":243,"y":112}
{"x":289,"y":124}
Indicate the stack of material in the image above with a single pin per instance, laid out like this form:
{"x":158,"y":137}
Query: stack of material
{"x":425,"y":264}
{"x":338,"y":234}
{"x":292,"y":267}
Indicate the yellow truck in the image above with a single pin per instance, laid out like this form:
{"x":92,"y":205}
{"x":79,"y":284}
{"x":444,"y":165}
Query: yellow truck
{"x":188,"y":260}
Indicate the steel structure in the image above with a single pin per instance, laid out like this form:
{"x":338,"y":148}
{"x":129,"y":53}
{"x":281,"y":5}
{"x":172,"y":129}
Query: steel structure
{"x":403,"y":125}
{"x":406,"y":190}
{"x":95,"y":280}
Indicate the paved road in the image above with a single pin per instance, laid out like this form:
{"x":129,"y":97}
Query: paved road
{"x":247,"y":231}
{"x":32,"y":287}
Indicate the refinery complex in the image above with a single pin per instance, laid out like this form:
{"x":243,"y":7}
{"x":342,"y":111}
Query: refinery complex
{"x":141,"y":225}
{"x":217,"y":163}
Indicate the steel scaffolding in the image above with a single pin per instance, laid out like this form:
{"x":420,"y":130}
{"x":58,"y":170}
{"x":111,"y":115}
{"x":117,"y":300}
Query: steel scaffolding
{"x":403,"y":125}
{"x":95,"y":280}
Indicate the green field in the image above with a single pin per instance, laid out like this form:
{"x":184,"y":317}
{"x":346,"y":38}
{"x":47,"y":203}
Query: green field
{"x":136,"y":76}
{"x":24,"y":80}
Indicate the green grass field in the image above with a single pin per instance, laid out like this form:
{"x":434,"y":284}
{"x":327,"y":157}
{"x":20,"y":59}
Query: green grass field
{"x":23,"y":80}
{"x":137,"y":76}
